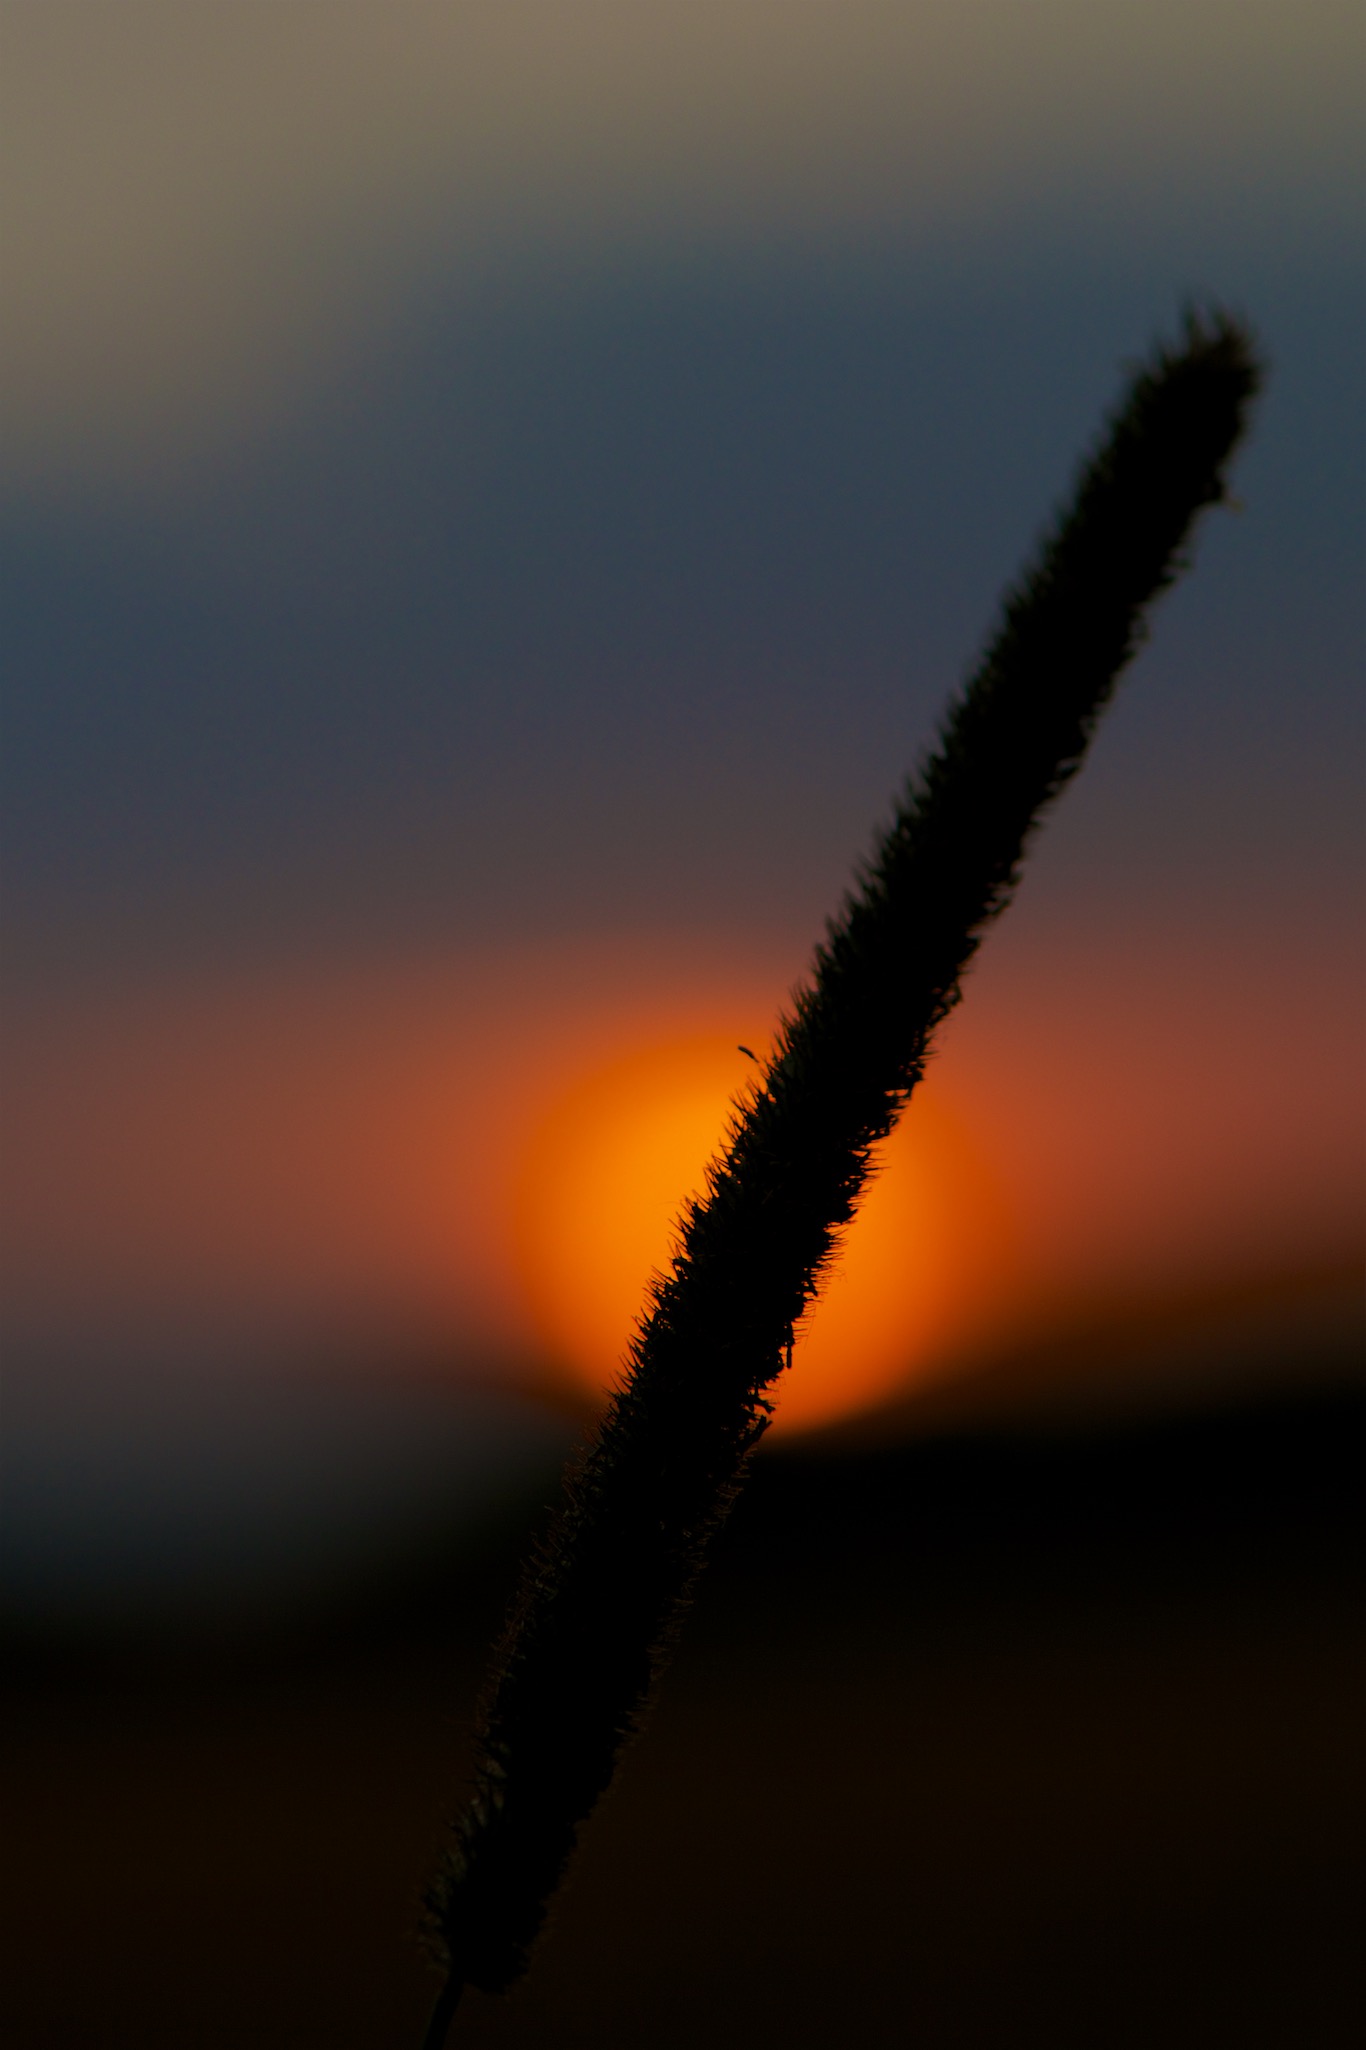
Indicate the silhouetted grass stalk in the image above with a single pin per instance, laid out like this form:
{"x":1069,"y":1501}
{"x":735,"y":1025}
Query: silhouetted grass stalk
{"x":604,"y":1590}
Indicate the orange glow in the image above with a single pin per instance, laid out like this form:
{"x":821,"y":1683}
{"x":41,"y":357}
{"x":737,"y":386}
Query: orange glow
{"x":603,"y":1183}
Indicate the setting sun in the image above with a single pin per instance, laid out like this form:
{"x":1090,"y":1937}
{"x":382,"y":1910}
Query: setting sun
{"x":609,"y":1168}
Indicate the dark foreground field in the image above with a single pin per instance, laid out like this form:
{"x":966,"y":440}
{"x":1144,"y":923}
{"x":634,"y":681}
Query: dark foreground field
{"x":971,"y":1743}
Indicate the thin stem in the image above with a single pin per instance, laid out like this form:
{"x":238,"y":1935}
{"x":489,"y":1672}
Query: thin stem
{"x":443,"y":2014}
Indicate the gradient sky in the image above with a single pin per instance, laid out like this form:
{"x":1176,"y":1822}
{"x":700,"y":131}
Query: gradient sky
{"x":494,"y":497}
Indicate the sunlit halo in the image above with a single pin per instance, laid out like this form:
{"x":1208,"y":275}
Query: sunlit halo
{"x":605,"y":1178}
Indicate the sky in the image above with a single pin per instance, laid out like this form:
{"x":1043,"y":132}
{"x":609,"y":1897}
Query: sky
{"x":493,"y":500}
